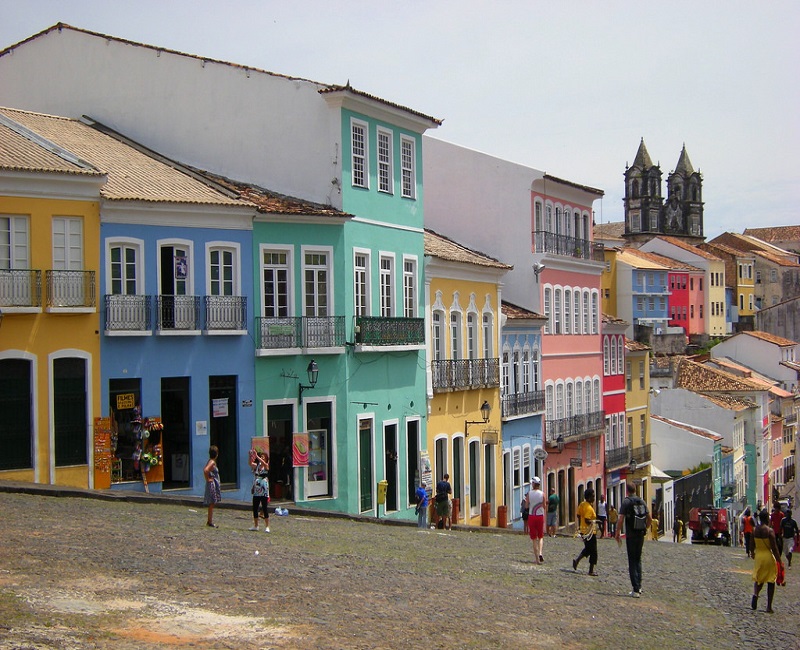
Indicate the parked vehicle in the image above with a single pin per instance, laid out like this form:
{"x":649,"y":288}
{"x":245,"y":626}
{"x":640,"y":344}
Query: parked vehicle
{"x":709,"y":526}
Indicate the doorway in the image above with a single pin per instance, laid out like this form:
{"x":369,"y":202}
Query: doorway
{"x":280,"y":426}
{"x":320,"y":449}
{"x":224,"y":425}
{"x":365,"y":464}
{"x":175,"y":409}
{"x":390,"y":467}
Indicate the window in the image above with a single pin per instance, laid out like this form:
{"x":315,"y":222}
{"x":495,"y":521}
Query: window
{"x":526,"y":371}
{"x":606,"y":356}
{"x":548,"y":311}
{"x":560,"y":401}
{"x":641,"y":375}
{"x":408,"y":167}
{"x":537,"y":381}
{"x":586,"y":313}
{"x":316,"y":292}
{"x":578,"y":397}
{"x":275,"y":278}
{"x":472,"y":335}
{"x":570,"y":404}
{"x":438,"y":335}
{"x":596,"y":395}
{"x":222,"y":271}
{"x":361,"y":283}
{"x":14,"y":242}
{"x":587,"y":397}
{"x":409,"y":288}
{"x":387,"y":286}
{"x":595,"y":311}
{"x":488,"y":335}
{"x":516,"y":467}
{"x":67,"y":244}
{"x":576,"y":296}
{"x":620,"y":353}
{"x":628,"y":377}
{"x":557,"y":312}
{"x":508,"y":389}
{"x":516,"y":372}
{"x":567,"y":310}
{"x":359,"y":153}
{"x":385,"y":175}
{"x":642,"y":429}
{"x":455,"y":335}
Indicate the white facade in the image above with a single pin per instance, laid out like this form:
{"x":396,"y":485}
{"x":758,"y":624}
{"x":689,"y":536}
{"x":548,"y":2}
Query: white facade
{"x":678,"y":446}
{"x":762,"y":356}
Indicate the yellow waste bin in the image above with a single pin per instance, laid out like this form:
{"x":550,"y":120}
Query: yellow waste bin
{"x":382,"y":487}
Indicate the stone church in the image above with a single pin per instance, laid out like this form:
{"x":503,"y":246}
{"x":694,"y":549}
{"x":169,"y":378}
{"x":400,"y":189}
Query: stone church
{"x":648,"y":214}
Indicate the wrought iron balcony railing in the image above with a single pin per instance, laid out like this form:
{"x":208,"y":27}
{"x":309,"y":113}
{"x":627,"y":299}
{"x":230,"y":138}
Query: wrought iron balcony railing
{"x":641,"y":454}
{"x":576,"y":427}
{"x":125,"y":313}
{"x":176,"y":313}
{"x":378,"y":330}
{"x":20,"y":288}
{"x":522,"y":403}
{"x":550,"y":242}
{"x":70,"y":289}
{"x":616,"y":458}
{"x":300,"y":332}
{"x":226,"y":313}
{"x":463,"y":374}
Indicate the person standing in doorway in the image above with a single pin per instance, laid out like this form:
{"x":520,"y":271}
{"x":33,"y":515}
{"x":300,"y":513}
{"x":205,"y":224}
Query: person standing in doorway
{"x":443,"y":492}
{"x":535,"y":500}
{"x":602,"y":515}
{"x":259,"y":463}
{"x":587,"y":528}
{"x":633,"y":508}
{"x":552,"y":512}
{"x":213,"y":494}
{"x":421,"y":496}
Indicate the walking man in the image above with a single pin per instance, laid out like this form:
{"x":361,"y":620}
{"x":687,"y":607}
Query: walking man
{"x":535,"y":503}
{"x":634,"y":520}
{"x":552,"y":512}
{"x":443,"y":492}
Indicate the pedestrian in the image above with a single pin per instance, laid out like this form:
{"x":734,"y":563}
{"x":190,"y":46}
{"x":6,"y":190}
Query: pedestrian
{"x":587,"y":528}
{"x":612,"y":520}
{"x":789,"y":531}
{"x":634,"y":520}
{"x":552,"y":512}
{"x":748,"y":524}
{"x":535,"y":499}
{"x":523,"y":511}
{"x":422,"y":505}
{"x":212,"y":494}
{"x":676,"y":531}
{"x":602,"y":515}
{"x":259,"y":463}
{"x":443,"y":505}
{"x":775,"y":521}
{"x":768,"y":557}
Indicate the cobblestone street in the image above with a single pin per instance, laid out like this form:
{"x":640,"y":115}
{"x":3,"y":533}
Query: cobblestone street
{"x":92,"y":573}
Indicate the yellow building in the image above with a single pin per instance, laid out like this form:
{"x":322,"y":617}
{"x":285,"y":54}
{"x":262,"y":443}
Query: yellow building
{"x":462,"y":313}
{"x":608,"y":282}
{"x":637,"y":412}
{"x":49,"y":342}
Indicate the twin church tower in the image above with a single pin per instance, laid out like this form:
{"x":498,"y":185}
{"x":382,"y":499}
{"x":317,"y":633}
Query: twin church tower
{"x":647,"y":214}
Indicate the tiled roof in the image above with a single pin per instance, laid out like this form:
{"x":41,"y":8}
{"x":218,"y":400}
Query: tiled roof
{"x":132,"y":174}
{"x":613,"y":320}
{"x":585,"y":188}
{"x":688,"y":247}
{"x":635,"y":346}
{"x":444,"y":248}
{"x":698,"y":378}
{"x":513,"y":311}
{"x":350,"y":89}
{"x":705,"y":433}
{"x":775,"y":233}
{"x":631,"y":257}
{"x":663,"y":361}
{"x":613,"y":230}
{"x":770,"y":338}
{"x":663,"y":260}
{"x":724,"y":248}
{"x":758,"y":247}
{"x":729,"y":401}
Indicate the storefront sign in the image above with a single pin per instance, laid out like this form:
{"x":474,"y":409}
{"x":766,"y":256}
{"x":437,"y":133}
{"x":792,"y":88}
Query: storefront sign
{"x":576,"y":462}
{"x":219,"y":407}
{"x":126,"y":401}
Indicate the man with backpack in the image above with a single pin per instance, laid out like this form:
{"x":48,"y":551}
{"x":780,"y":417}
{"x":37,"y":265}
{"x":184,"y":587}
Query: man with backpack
{"x":634,"y":520}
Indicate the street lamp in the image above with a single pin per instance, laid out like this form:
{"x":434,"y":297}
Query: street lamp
{"x":313,"y":374}
{"x":486,"y":411}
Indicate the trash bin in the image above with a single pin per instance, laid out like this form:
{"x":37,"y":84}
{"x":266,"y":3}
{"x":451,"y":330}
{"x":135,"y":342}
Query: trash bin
{"x":382,"y":487}
{"x":501,"y":516}
{"x":456,"y":508}
{"x":486,"y":514}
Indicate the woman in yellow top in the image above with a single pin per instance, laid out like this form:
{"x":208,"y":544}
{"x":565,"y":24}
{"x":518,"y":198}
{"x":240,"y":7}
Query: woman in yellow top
{"x":586,"y":527}
{"x":765,"y":568}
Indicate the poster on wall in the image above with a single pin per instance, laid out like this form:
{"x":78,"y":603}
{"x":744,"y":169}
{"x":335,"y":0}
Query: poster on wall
{"x":425,"y":474}
{"x":300,"y":450}
{"x":103,"y":457}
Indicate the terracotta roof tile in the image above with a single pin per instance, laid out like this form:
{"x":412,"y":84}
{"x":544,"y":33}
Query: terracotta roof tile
{"x":513,"y":311}
{"x":635,"y":346}
{"x":770,"y":338}
{"x":729,"y":401}
{"x":698,"y":378}
{"x":662,"y":260}
{"x":686,"y":246}
{"x":444,"y":248}
{"x":775,"y":233}
{"x":613,"y":230}
{"x":705,"y":433}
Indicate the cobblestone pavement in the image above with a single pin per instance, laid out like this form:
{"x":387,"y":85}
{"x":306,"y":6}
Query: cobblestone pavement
{"x":91,"y":573}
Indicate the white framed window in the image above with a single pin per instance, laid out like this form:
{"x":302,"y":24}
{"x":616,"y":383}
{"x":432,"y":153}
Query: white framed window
{"x":578,"y":397}
{"x":472,"y":335}
{"x":537,"y":211}
{"x":548,"y":402}
{"x":176,"y":267}
{"x":570,"y":400}
{"x":587,"y":396}
{"x":385,"y":158}
{"x":67,"y":243}
{"x":548,"y":310}
{"x":576,"y":298}
{"x":526,"y":370}
{"x":596,"y":311}
{"x":517,"y":371}
{"x":606,"y":356}
{"x":586,"y":313}
{"x":223,"y":269}
{"x":537,"y":377}
{"x":387,"y":285}
{"x":124,"y":267}
{"x":455,"y":335}
{"x":596,"y":395}
{"x":276,"y":281}
{"x":437,"y":322}
{"x":361,"y":287}
{"x":408,"y":167}
{"x":14,"y":242}
{"x":516,"y":465}
{"x":567,"y":311}
{"x":620,"y":353}
{"x":316,"y":282}
{"x":559,"y":401}
{"x":409,"y":287}
{"x":488,"y":334}
{"x":557,"y":311}
{"x":508,"y":389}
{"x":359,"y":146}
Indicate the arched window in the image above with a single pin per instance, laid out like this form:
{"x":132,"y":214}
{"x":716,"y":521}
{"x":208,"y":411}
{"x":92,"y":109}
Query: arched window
{"x":567,"y":311}
{"x":587,"y":396}
{"x":606,"y":356}
{"x":635,"y":189}
{"x":557,"y":311}
{"x":595,"y":312}
{"x":526,"y":370}
{"x":576,"y":301}
{"x":560,"y":401}
{"x":578,"y":398}
{"x":537,"y":378}
{"x":437,"y":320}
{"x":548,"y":310}
{"x":620,"y":353}
{"x":456,"y":351}
{"x":586,"y":313}
{"x":570,"y":403}
{"x":596,"y":391}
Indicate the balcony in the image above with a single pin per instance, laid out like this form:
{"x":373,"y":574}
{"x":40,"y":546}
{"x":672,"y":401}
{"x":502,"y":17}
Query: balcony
{"x":128,"y":315}
{"x":20,"y":290}
{"x":178,"y":313}
{"x":226,"y":313}
{"x":555,"y":244}
{"x":522,"y":403}
{"x":574,"y":428}
{"x":616,"y":458}
{"x":70,"y":290}
{"x":300,"y":332}
{"x":464,"y":374}
{"x":387,"y":331}
{"x":641,"y":454}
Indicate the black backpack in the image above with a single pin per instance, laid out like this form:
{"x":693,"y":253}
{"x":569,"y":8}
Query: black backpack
{"x":637,"y":515}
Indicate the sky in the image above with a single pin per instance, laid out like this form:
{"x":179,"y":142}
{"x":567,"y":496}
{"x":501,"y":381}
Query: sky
{"x":566,"y":87}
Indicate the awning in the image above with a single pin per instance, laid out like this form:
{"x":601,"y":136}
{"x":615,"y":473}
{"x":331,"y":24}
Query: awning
{"x":657,"y":473}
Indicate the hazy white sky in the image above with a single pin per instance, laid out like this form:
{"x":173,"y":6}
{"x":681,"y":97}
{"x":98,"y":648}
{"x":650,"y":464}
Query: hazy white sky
{"x":566,"y":87}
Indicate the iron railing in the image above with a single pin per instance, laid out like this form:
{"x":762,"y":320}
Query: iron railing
{"x":178,"y":312}
{"x":616,"y":458}
{"x":522,"y":403}
{"x":20,"y":288}
{"x":70,"y":288}
{"x":226,"y":312}
{"x":378,"y":330}
{"x":125,"y":313}
{"x":463,"y":374}
{"x":550,"y":242}
{"x":576,"y":427}
{"x":641,"y":454}
{"x":300,"y":332}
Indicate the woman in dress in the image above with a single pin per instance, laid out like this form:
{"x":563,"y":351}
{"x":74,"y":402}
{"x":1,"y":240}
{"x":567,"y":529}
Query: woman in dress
{"x":767,"y":556}
{"x":212,"y":494}
{"x":259,"y":462}
{"x":587,"y":530}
